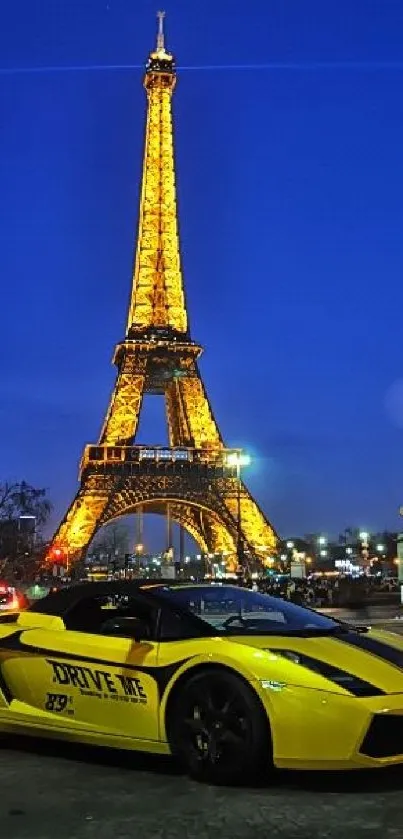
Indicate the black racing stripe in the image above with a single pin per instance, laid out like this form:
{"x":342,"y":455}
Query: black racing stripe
{"x":371,"y":645}
{"x":161,"y":675}
{"x":8,"y":695}
{"x":4,"y":688}
{"x":11,"y":642}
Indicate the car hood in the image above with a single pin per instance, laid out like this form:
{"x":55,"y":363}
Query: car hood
{"x":375,"y":657}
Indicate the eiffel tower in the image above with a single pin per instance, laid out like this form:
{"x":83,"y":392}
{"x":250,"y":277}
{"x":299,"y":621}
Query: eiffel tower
{"x":196,"y":480}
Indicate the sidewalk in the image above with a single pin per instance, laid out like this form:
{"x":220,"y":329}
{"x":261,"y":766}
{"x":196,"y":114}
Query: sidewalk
{"x":366,"y":615}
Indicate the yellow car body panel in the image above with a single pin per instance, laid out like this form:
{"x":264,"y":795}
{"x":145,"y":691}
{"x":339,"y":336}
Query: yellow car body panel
{"x":114,"y":691}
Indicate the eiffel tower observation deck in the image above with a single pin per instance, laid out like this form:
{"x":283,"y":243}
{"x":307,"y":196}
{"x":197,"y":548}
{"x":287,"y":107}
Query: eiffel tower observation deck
{"x":196,"y":476}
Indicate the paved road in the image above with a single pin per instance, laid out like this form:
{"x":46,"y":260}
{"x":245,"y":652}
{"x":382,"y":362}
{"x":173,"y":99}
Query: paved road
{"x":48,"y":792}
{"x":52,"y":791}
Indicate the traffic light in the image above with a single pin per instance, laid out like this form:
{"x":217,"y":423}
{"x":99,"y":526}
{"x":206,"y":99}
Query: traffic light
{"x":57,"y":555}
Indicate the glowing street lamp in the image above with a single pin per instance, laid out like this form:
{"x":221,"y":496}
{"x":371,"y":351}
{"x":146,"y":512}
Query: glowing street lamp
{"x":364,"y":536}
{"x":238,"y":459}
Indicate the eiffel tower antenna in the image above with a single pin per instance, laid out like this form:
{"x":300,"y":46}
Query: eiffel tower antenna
{"x":161,"y":34}
{"x":196,"y":480}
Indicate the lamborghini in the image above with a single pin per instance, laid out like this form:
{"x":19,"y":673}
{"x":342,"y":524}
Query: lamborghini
{"x":230,"y":681}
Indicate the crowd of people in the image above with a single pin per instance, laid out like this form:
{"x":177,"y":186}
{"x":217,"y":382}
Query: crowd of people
{"x":318,"y":592}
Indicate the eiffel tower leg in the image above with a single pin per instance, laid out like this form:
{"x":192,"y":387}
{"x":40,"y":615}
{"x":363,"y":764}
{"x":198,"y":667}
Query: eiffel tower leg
{"x":123,"y":414}
{"x":255,"y":533}
{"x":83,"y":515}
{"x":190,"y":418}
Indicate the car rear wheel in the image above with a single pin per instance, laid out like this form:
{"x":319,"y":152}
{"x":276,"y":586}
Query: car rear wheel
{"x":218,"y":729}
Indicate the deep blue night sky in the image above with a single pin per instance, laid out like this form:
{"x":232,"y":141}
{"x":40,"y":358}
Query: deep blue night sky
{"x":291,"y":210}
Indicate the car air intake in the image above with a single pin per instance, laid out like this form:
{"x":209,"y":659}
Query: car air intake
{"x":384,"y":737}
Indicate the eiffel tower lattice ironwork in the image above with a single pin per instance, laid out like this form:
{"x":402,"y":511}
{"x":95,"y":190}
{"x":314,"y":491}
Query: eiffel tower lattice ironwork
{"x":196,"y":477}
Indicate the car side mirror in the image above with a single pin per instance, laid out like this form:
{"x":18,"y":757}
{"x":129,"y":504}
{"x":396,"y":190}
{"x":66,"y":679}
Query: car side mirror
{"x":134,"y":628}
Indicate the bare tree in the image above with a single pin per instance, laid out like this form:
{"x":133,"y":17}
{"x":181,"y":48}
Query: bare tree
{"x":19,"y":500}
{"x":113,"y":540}
{"x":22,"y":499}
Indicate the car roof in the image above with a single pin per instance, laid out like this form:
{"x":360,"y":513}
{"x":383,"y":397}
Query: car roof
{"x":58,"y":602}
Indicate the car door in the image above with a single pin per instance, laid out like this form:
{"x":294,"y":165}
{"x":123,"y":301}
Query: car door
{"x":79,"y":677}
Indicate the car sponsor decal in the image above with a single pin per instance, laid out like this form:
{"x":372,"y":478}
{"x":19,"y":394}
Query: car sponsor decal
{"x":12,"y":646}
{"x":98,"y":683}
{"x":58,"y":703}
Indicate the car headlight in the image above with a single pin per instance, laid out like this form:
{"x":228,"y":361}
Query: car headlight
{"x":351,"y":683}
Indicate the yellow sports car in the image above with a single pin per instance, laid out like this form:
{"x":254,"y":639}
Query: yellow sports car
{"x":229,"y":680}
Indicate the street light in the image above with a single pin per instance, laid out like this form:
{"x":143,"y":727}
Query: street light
{"x":238,"y":459}
{"x":364,"y":536}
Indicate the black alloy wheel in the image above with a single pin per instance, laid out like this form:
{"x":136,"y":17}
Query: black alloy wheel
{"x":218,"y":729}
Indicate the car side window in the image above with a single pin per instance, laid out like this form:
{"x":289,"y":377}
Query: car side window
{"x":114,"y":614}
{"x":86,"y":615}
{"x":175,"y":627}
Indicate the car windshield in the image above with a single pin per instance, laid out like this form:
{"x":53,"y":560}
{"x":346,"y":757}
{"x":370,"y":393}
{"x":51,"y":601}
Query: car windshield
{"x":233,"y":610}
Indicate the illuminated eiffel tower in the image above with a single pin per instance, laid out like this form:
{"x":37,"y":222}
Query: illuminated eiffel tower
{"x":197,"y":479}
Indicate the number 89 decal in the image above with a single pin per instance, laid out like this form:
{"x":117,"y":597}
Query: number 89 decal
{"x":57,"y":702}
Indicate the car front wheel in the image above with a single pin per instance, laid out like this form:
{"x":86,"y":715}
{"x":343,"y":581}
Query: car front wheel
{"x":218,"y":729}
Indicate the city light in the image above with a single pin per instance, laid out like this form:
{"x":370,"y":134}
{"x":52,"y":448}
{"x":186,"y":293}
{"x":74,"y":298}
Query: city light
{"x":380,"y":548}
{"x":290,"y":545}
{"x":364,"y":536}
{"x":322,"y":540}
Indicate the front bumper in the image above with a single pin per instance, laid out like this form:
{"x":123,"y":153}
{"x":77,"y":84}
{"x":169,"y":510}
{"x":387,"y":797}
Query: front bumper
{"x":314,"y":729}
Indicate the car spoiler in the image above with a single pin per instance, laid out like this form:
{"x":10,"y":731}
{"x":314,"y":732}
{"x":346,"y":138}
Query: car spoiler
{"x":38,"y":620}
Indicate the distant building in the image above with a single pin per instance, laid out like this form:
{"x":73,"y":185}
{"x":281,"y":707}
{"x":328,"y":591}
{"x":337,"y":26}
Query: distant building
{"x":17,"y":536}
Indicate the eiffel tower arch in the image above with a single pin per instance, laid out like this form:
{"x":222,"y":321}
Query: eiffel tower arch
{"x":196,"y":477}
